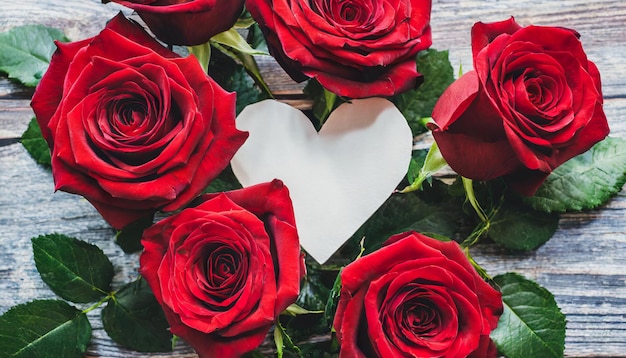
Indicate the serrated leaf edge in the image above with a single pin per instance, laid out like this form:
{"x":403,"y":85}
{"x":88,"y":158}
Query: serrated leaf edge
{"x":65,"y":267}
{"x":555,"y":354}
{"x":537,"y":286}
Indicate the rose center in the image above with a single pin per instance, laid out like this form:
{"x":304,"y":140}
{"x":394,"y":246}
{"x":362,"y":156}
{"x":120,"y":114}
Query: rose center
{"x":349,"y":13}
{"x":534,"y":92}
{"x":128,"y":117}
{"x":344,"y":12}
{"x":221,"y":265}
{"x":417,"y":315}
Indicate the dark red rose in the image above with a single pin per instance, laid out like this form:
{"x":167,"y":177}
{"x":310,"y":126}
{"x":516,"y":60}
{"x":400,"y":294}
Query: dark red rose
{"x":533,"y":102}
{"x":225,"y":269}
{"x":186,"y":22}
{"x":133,"y":127}
{"x":356,"y":49}
{"x":415,"y":297}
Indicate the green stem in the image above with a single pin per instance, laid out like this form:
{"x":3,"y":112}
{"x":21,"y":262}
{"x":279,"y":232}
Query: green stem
{"x":485,"y":224}
{"x":99,"y":303}
{"x":481,"y":271}
{"x":471,"y":197}
{"x":478,"y":232}
{"x":282,"y":339}
{"x":433,"y":163}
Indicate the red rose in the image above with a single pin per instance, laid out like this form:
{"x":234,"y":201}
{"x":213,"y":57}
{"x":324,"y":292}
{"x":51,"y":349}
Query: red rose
{"x":225,"y":269}
{"x":533,"y":102}
{"x":132,"y":126}
{"x":417,"y":297}
{"x":186,"y":22}
{"x":353,"y":48}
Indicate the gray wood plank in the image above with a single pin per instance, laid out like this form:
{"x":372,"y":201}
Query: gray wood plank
{"x":583,"y":265}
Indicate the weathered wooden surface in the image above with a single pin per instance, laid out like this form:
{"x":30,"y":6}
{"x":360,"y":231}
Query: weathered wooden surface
{"x":584,"y":265}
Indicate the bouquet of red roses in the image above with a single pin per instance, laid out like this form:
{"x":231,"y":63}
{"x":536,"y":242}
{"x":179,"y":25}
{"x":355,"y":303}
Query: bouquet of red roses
{"x":331,"y":229}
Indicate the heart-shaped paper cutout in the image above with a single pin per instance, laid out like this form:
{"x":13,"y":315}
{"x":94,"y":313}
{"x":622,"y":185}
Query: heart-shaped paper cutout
{"x":337,"y":178}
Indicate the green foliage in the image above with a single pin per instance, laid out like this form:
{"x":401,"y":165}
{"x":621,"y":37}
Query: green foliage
{"x":233,"y":40}
{"x":74,"y":269}
{"x":315,"y":293}
{"x":44,"y":329}
{"x":224,"y":182}
{"x":422,"y":168}
{"x":255,"y":38}
{"x":25,"y":52}
{"x":586,"y":181}
{"x":35,"y":145}
{"x":521,"y":228}
{"x":418,"y":158}
{"x":324,"y":101}
{"x":532,"y":324}
{"x":233,"y":77}
{"x":242,"y":51}
{"x":433,"y":212}
{"x":418,"y":103}
{"x":333,"y":300}
{"x":129,"y":238}
{"x":284,"y":341}
{"x":134,"y":319}
{"x":505,"y":219}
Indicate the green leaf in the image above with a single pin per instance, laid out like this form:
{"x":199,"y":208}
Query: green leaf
{"x":522,"y":228}
{"x":44,"y":329}
{"x":134,"y":319}
{"x":283,"y":340}
{"x":244,"y":21}
{"x":586,"y":181}
{"x":224,"y":182}
{"x":418,"y":103}
{"x":75,"y":270}
{"x":233,"y":40}
{"x":333,"y":301}
{"x":418,"y":157}
{"x":231,"y":44}
{"x":532,"y":324}
{"x":433,"y":162}
{"x":129,"y":238}
{"x":324,"y":101}
{"x":295,"y":310}
{"x":35,"y":145}
{"x":233,"y":77}
{"x":278,"y":341}
{"x":202,"y":53}
{"x":25,"y":52}
{"x":314,"y":293}
{"x":432,"y":212}
{"x":256,"y":39}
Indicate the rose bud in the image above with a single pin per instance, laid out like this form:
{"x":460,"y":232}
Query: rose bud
{"x":186,"y":22}
{"x":532,"y":102}
{"x":225,"y":269}
{"x":132,"y":126}
{"x":418,"y":297}
{"x":355,"y":49}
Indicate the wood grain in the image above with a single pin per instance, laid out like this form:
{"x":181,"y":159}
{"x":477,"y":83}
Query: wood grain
{"x":583,"y":265}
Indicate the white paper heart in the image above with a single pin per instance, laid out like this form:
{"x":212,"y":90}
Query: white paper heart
{"x":337,"y":178}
